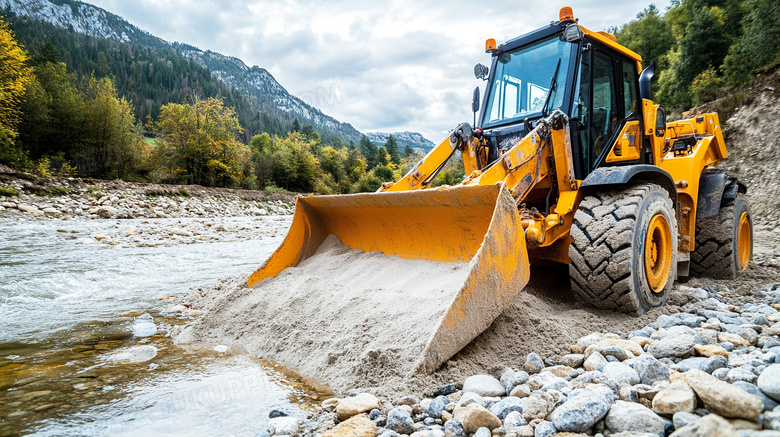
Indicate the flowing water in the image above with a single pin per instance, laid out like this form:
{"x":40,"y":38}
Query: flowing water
{"x":83,"y":344}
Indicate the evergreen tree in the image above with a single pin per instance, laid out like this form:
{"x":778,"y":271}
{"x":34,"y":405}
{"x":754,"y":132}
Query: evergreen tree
{"x":369,"y":151}
{"x":391,"y":146}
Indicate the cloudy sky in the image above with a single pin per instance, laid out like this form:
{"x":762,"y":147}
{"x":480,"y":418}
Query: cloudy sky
{"x":385,"y":66}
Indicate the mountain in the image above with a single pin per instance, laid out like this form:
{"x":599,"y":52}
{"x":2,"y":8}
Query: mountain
{"x":261,"y":87}
{"x":261,"y":90}
{"x":412,"y":139}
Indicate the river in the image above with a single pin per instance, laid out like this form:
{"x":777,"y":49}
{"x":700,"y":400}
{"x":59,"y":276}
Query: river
{"x":72,"y":316}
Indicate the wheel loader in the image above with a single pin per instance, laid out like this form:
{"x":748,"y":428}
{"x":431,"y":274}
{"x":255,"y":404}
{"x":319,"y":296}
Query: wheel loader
{"x":568,"y":160}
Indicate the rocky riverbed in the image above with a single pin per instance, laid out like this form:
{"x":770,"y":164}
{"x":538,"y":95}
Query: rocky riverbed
{"x":23,"y":196}
{"x":711,"y":369}
{"x":165,"y":215}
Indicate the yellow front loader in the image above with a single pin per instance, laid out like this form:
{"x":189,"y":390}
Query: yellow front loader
{"x":569,"y":161}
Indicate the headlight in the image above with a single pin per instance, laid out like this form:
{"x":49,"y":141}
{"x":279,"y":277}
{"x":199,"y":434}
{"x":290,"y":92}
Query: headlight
{"x":573,"y":33}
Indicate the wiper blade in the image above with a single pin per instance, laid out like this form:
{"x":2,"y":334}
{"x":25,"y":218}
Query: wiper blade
{"x":553,"y":85}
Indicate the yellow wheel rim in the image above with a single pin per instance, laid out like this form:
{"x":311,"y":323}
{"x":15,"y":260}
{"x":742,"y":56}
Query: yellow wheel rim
{"x":658,"y":253}
{"x":743,"y":241}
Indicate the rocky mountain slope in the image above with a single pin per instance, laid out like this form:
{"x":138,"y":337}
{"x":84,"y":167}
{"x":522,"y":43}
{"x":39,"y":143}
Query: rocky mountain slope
{"x":257,"y":84}
{"x":411,"y":139}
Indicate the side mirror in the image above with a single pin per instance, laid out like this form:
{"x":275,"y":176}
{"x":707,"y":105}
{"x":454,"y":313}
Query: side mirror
{"x":481,"y":72}
{"x":475,"y":100}
{"x":660,"y":122}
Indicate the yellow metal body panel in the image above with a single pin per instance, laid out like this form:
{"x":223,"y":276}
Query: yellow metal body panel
{"x":627,"y":146}
{"x":614,"y":45}
{"x":686,"y":168}
{"x":474,"y":224}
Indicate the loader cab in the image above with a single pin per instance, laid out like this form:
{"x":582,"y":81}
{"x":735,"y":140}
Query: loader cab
{"x":584,"y":76}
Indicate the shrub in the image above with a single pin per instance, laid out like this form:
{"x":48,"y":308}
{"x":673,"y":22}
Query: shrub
{"x":8,"y":191}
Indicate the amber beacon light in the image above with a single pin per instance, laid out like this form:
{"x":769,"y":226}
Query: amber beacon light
{"x":566,"y":14}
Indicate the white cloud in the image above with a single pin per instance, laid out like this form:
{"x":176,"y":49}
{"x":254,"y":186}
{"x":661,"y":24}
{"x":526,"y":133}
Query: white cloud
{"x":398,"y":64}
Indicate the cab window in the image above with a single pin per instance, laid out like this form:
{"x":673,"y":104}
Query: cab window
{"x":604,"y":117}
{"x":630,"y":89}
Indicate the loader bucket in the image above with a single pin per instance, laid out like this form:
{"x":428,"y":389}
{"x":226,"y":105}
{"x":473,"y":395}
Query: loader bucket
{"x":476,"y":224}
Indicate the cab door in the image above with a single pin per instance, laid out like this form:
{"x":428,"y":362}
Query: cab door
{"x":605,"y":110}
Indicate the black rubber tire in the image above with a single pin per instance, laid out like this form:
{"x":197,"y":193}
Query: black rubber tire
{"x":716,"y":254}
{"x":607,"y":254}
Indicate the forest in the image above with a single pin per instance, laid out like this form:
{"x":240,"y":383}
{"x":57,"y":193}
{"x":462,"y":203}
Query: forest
{"x":705,"y":49}
{"x":81,"y":106}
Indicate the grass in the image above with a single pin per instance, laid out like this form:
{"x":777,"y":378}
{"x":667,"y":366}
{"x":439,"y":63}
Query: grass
{"x":97,"y":193}
{"x":9,"y":192}
{"x":273,"y":189}
{"x":181,"y":193}
{"x":59,"y":191}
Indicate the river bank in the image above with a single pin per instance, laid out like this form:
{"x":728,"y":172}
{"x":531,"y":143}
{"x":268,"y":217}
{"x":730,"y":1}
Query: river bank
{"x":24,"y":196}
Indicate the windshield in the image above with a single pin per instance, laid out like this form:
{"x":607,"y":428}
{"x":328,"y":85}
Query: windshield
{"x":522,"y":80}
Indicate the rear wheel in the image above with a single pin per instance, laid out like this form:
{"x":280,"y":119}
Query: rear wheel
{"x":624,"y":253}
{"x":724,"y":244}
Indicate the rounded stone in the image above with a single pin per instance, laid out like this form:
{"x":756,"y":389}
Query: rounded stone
{"x":484,"y":385}
{"x":769,"y":381}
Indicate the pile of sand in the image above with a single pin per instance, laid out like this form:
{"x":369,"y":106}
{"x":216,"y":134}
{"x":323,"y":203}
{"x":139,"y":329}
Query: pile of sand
{"x":361,"y":320}
{"x":342,"y":316}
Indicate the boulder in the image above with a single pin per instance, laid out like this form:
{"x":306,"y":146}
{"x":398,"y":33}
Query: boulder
{"x":631,"y":417}
{"x":769,"y":403}
{"x":474,"y":416}
{"x":769,"y":381}
{"x":356,"y":426}
{"x":621,"y":373}
{"x":533,"y":363}
{"x":710,"y":425}
{"x":538,"y":406}
{"x":362,"y":403}
{"x":650,"y":369}
{"x":484,"y":385}
{"x":285,"y":425}
{"x":471,"y":398}
{"x":400,"y":421}
{"x":672,"y":347}
{"x":677,"y":397}
{"x":723,"y":398}
{"x":580,"y":413}
{"x":507,"y":405}
{"x":572,"y":360}
{"x":594,"y":361}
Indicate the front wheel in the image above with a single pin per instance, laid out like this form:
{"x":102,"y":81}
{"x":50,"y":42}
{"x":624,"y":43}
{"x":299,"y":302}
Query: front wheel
{"x":724,"y":244}
{"x":624,"y":253}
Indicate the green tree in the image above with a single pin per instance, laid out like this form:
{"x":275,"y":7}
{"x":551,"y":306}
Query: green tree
{"x":53,"y":113}
{"x":201,"y":140}
{"x":758,"y":45}
{"x":296,"y":126}
{"x":408,"y":151}
{"x":355,"y":165}
{"x":260,"y":147}
{"x":334,"y":162}
{"x":369,"y":151}
{"x":111,"y":138}
{"x":391,"y":146}
{"x":649,"y":35}
{"x":15,"y":76}
{"x":293,"y":165}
